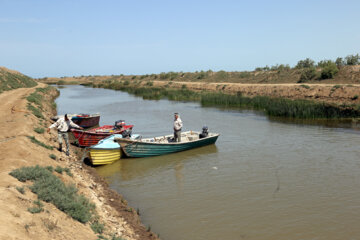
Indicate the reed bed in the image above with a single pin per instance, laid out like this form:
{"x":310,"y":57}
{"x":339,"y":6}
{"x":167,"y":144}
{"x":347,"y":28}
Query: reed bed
{"x":278,"y":107}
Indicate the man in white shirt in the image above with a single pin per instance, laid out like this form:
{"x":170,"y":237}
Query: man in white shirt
{"x":63,"y":126}
{"x":177,"y":127}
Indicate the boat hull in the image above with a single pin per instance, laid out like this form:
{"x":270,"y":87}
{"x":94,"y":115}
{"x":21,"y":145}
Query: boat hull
{"x":93,"y":136}
{"x":104,"y":156}
{"x":86,"y":122}
{"x":83,"y":120}
{"x":148,"y":149}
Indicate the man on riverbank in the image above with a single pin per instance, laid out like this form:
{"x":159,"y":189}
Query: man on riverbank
{"x":63,"y":126}
{"x":177,"y":128}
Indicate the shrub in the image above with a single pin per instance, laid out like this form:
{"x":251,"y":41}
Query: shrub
{"x":97,"y":227}
{"x":59,"y":169}
{"x":307,"y":63}
{"x":339,"y":62}
{"x":355,"y":97}
{"x":329,"y":70}
{"x":50,"y":188}
{"x":52,"y":156}
{"x":61,"y":82}
{"x":307,"y":74}
{"x":221,"y":75}
{"x":49,"y":168}
{"x":352,"y":59}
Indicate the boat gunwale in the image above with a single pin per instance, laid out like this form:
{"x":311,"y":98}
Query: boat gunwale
{"x":139,"y":141}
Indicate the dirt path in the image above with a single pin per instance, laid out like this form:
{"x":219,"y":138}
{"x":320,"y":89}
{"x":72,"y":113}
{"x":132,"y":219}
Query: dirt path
{"x":16,"y":149}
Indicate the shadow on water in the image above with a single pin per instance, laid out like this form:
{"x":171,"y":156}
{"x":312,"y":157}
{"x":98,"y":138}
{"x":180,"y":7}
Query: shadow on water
{"x":137,"y":167}
{"x":331,"y":123}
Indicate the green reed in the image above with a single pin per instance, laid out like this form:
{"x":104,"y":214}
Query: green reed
{"x":278,"y":107}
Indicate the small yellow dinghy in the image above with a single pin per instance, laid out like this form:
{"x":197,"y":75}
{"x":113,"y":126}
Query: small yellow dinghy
{"x":107,"y":150}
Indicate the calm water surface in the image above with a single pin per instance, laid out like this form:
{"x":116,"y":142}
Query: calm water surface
{"x":263,"y":179}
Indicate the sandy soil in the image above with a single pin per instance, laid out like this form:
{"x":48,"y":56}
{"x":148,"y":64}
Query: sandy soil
{"x":17,"y":150}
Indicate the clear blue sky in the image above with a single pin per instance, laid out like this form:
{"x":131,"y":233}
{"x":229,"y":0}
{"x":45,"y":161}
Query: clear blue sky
{"x":65,"y":38}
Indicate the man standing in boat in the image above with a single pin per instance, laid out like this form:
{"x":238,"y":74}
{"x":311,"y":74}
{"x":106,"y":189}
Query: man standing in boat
{"x":177,"y":128}
{"x":63,"y":126}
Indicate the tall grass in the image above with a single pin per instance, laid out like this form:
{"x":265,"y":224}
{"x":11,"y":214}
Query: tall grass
{"x":50,"y":188}
{"x":279,"y":107}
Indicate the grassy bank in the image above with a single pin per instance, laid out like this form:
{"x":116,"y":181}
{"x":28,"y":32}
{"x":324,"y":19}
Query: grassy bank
{"x":278,"y":107}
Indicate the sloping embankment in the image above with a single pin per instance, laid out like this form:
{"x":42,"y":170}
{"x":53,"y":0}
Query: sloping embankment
{"x":17,"y":124}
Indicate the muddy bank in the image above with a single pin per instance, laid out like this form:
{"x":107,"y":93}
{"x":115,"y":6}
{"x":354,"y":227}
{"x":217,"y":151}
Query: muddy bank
{"x":17,"y":124}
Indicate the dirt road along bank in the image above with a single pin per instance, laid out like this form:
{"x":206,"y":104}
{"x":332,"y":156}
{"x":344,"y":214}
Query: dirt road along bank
{"x":16,"y":222}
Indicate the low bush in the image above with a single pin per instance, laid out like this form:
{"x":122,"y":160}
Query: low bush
{"x":329,"y":70}
{"x":59,"y":169}
{"x":307,"y":74}
{"x":50,"y":188}
{"x":97,"y":227}
{"x":52,"y":156}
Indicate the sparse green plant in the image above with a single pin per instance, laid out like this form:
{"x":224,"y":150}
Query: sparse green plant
{"x":49,"y":224}
{"x":59,"y":169}
{"x":34,"y":140}
{"x":305,"y":86}
{"x":38,"y":208}
{"x":39,"y":130}
{"x":21,"y":190}
{"x":35,"y":98}
{"x":36,"y":111}
{"x":126,"y":83}
{"x":149,"y":84}
{"x":52,"y":156}
{"x":50,"y":188}
{"x":355,"y":97}
{"x":49,"y":168}
{"x":68,"y":172}
{"x":97,"y":227}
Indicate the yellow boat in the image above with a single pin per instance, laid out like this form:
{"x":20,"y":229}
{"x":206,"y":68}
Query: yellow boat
{"x":107,"y":150}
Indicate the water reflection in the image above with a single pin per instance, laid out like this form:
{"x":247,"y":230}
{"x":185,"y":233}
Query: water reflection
{"x":129,"y":168}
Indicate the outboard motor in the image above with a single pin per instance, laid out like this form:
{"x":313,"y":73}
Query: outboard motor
{"x":119,"y":124}
{"x":204,"y":133}
{"x":126,"y":133}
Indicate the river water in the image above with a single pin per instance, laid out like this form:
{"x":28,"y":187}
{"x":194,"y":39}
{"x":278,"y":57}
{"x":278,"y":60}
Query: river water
{"x":264,"y":179}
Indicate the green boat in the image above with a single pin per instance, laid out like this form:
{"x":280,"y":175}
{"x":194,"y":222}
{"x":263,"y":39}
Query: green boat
{"x":149,"y":147}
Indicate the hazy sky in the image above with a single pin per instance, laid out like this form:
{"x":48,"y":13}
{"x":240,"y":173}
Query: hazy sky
{"x":66,"y":38}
